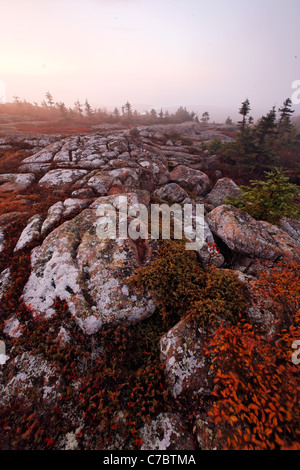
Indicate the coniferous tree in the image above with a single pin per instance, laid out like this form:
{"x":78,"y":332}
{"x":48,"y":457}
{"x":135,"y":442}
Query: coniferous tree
{"x":182,"y":115}
{"x":205,"y":117}
{"x":269,"y":200}
{"x":116,"y":114}
{"x":88,"y":108}
{"x":49,"y":99}
{"x":153,"y":115}
{"x":264,"y":134}
{"x":62,"y":108}
{"x":266,"y":126}
{"x":285,"y":124}
{"x":78,"y":108}
{"x":244,"y":111}
{"x":128,"y":109}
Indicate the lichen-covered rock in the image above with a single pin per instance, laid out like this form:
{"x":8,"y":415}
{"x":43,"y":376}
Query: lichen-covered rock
{"x":190,"y":179}
{"x":74,"y":265}
{"x":133,"y":177}
{"x":2,"y":238}
{"x":134,"y":132}
{"x":41,"y":160}
{"x":186,"y":366}
{"x":156,"y":166}
{"x":74,"y":205}
{"x":262,"y":311}
{"x":70,"y":441}
{"x":120,"y":153}
{"x":171,"y":192}
{"x":27,"y":373}
{"x":292,"y":227}
{"x":55,"y":213}
{"x":62,"y":209}
{"x":85,"y":193}
{"x":247,"y":236}
{"x":5,"y":281}
{"x":81,"y":152}
{"x":30,"y":233}
{"x":36,"y":168}
{"x":61,"y":179}
{"x":16,"y":182}
{"x":166,"y":432}
{"x":12,"y":328}
{"x":101,"y":183}
{"x":209,"y":254}
{"x":3,"y":358}
{"x":118,"y":144}
{"x":223,"y":188}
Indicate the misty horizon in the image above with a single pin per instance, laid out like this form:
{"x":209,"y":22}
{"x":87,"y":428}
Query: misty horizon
{"x":205,"y":57}
{"x":217,"y":114}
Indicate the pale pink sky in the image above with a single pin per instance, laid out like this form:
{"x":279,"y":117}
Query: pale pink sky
{"x":151,"y":52}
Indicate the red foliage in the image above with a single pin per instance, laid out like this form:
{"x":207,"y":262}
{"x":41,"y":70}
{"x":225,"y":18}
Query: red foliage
{"x":229,"y":134}
{"x":281,"y":284}
{"x":256,"y":395}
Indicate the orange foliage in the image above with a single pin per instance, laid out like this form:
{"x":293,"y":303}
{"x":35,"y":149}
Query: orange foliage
{"x":256,"y":394}
{"x":281,"y":285}
{"x":28,"y":204}
{"x":9,"y":160}
{"x":9,"y":203}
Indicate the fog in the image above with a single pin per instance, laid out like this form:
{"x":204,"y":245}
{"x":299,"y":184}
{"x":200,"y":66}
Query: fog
{"x":205,"y":55}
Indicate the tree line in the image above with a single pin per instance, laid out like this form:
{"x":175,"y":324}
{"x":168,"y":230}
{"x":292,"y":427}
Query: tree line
{"x":260,"y":146}
{"x":51,"y":109}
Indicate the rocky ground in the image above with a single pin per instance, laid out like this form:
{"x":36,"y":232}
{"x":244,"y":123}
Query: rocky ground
{"x":64,"y":291}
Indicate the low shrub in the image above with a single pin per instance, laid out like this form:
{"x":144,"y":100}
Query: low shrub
{"x":180,"y":286}
{"x":224,"y":298}
{"x":256,"y":389}
{"x":174,"y":278}
{"x":257,"y":381}
{"x":268,"y":200}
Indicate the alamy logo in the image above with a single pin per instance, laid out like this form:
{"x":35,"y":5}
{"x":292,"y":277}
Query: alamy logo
{"x":296,"y":94}
{"x":2,"y":92}
{"x":296,"y":354}
{"x":123,"y":220}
